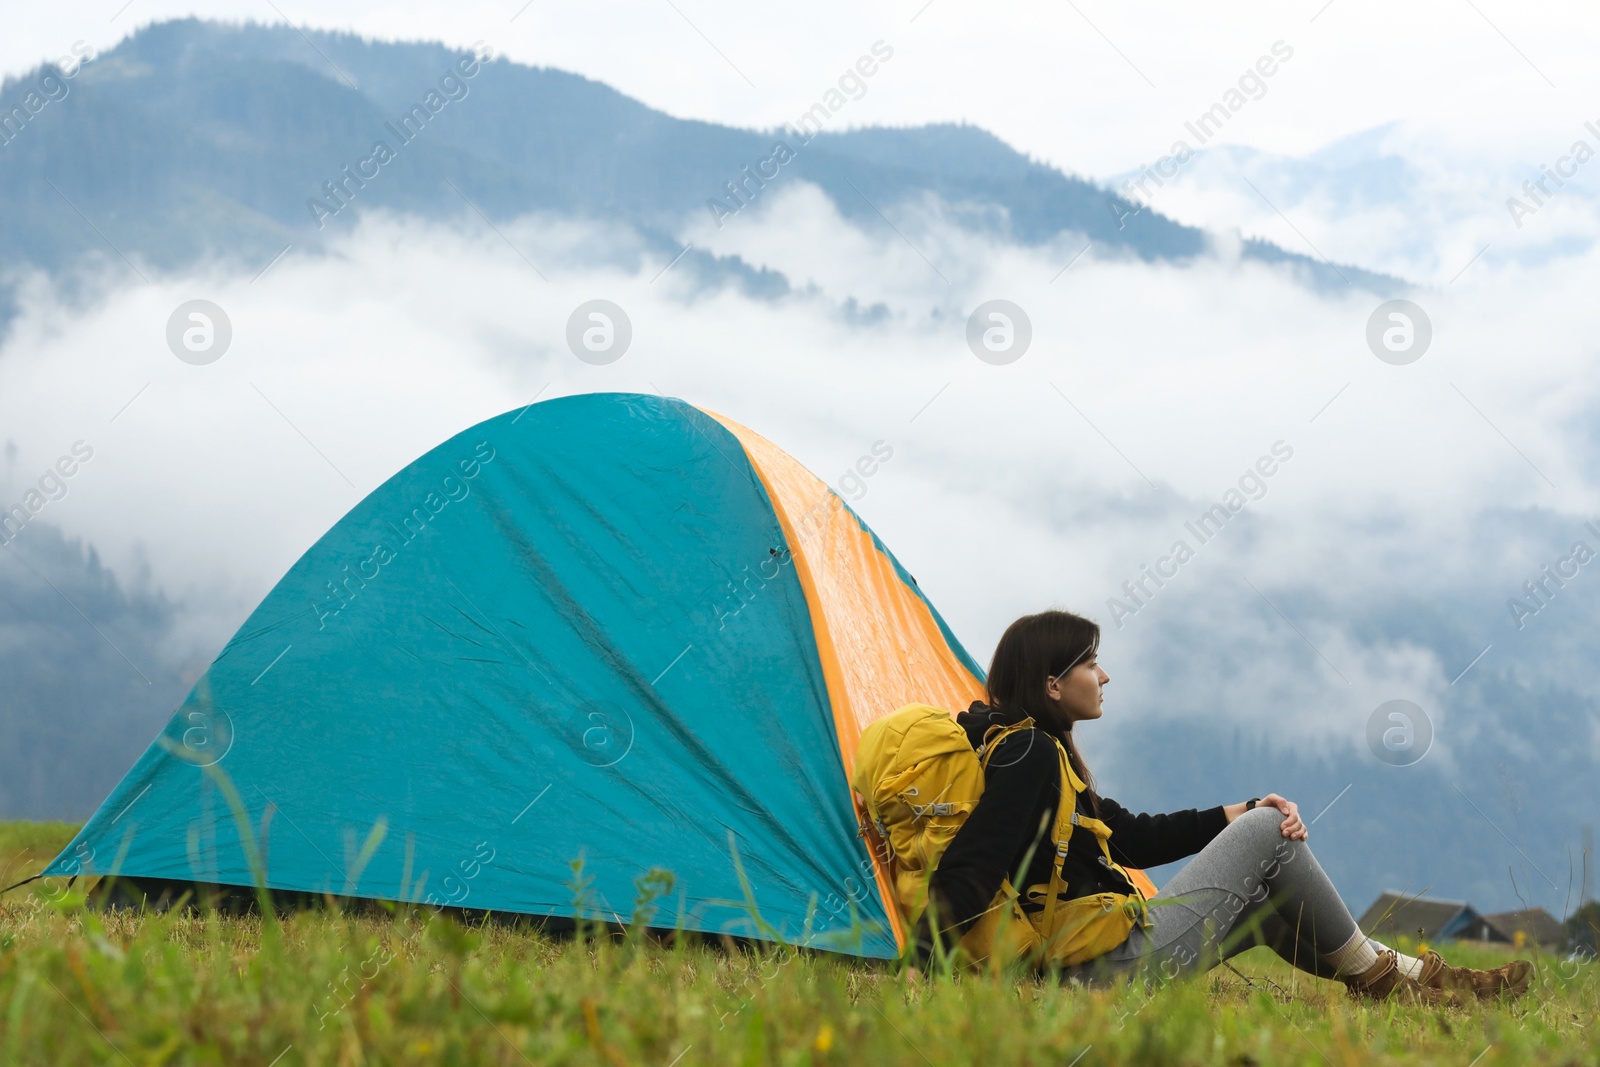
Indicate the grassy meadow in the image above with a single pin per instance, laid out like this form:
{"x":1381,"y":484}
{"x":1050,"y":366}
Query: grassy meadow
{"x":79,"y":987}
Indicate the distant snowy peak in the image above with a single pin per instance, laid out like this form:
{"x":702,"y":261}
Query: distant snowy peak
{"x":1396,"y":198}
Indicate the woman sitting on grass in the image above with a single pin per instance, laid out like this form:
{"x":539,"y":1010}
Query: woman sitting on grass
{"x":1253,"y":882}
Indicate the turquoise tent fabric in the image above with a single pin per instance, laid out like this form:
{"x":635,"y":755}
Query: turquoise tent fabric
{"x":511,"y":657}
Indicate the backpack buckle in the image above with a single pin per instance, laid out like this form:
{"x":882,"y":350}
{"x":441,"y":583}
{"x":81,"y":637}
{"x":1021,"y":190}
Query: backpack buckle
{"x":919,"y":810}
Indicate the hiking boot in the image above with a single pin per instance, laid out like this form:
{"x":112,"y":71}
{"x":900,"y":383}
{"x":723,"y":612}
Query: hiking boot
{"x":1508,"y":980}
{"x":1385,"y":980}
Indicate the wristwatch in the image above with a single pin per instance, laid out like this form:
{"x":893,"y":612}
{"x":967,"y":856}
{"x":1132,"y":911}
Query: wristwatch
{"x":1251,"y":803}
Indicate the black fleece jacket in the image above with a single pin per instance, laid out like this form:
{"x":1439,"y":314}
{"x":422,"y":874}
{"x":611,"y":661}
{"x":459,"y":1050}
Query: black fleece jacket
{"x":1022,"y":787}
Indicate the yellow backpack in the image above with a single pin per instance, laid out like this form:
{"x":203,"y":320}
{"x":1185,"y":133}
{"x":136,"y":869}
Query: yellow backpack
{"x":919,"y":779}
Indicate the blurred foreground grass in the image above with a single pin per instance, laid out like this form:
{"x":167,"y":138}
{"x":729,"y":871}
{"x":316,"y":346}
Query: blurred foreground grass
{"x":326,"y":988}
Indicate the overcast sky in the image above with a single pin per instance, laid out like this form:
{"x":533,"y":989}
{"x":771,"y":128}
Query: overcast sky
{"x":1091,"y":86}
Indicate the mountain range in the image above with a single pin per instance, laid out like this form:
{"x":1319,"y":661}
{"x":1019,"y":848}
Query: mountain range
{"x":195,"y":141}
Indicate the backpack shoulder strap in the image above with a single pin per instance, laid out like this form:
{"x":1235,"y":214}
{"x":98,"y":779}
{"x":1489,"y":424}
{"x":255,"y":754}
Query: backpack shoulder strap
{"x":1066,"y":818}
{"x":1066,"y":809}
{"x":996,"y":734}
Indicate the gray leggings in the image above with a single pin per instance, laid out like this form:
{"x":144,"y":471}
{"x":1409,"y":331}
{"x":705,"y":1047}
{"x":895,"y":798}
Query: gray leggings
{"x":1250,"y":886}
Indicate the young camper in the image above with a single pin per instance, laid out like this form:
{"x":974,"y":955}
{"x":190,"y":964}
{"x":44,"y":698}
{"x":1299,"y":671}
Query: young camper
{"x":1253,"y":881}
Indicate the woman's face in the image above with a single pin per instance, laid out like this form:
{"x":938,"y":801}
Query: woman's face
{"x":1079,"y":691}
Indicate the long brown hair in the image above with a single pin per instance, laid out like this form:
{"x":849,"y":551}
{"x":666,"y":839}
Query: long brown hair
{"x":1033,"y":650}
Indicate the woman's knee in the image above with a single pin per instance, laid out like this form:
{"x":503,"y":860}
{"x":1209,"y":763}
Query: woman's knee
{"x":1262,"y":831}
{"x":1264,"y":824}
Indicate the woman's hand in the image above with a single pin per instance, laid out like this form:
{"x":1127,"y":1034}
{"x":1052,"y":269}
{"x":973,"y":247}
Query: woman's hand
{"x":1292,"y":826}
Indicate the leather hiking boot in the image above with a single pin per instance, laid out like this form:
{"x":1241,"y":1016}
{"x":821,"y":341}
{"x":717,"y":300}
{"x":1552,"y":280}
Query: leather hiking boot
{"x":1508,"y":980}
{"x":1384,"y":980}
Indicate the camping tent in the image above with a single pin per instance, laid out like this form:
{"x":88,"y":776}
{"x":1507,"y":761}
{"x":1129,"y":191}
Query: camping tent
{"x":611,"y":628}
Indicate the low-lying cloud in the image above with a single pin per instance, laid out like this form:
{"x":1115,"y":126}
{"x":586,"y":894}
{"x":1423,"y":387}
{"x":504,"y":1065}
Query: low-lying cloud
{"x":1146,"y":391}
